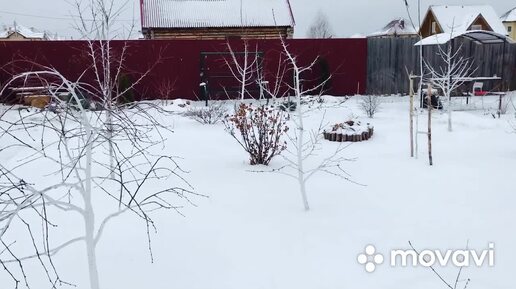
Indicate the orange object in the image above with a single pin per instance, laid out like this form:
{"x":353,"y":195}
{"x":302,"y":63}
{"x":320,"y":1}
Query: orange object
{"x":38,"y":101}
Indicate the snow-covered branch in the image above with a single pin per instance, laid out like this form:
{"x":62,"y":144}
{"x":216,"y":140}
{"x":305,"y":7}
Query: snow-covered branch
{"x":66,"y":144}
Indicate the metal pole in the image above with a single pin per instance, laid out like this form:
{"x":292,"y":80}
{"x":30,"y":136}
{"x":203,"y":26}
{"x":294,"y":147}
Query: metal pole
{"x":417,"y":136}
{"x":411,"y":91}
{"x":430,"y":157}
{"x":450,"y":109}
{"x":503,"y":65}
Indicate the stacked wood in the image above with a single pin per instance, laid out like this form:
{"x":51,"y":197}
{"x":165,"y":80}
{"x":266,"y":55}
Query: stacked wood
{"x":222,"y":33}
{"x":339,"y":137}
{"x":38,"y":101}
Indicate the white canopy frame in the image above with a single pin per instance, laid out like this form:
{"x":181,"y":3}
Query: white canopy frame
{"x":479,"y":36}
{"x":482,"y":37}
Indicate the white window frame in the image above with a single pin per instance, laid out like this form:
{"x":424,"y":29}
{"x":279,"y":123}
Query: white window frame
{"x":476,"y":27}
{"x":434,"y":27}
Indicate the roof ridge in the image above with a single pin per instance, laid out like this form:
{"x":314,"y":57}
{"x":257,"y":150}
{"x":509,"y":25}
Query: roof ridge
{"x":216,"y":13}
{"x":507,"y":14}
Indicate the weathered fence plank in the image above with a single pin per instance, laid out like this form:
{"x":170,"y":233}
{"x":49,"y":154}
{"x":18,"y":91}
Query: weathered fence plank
{"x":389,"y":59}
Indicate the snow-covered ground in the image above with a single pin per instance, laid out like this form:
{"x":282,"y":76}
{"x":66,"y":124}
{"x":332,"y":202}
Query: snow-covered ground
{"x":252,"y":232}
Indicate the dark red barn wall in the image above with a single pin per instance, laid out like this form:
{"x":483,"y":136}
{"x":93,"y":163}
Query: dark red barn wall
{"x":178,"y":62}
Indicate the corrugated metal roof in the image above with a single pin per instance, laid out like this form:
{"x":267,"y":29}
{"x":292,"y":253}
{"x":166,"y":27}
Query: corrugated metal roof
{"x":215,"y":13}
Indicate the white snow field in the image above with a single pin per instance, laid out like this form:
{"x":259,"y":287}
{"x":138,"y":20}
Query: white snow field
{"x":252,"y":232}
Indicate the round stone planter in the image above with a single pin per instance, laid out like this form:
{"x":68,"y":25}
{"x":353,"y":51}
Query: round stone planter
{"x":349,"y":137}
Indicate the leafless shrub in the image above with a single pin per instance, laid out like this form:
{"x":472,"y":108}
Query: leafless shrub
{"x":261,"y":131}
{"x":370,"y":105}
{"x":165,"y":90}
{"x":211,"y":114}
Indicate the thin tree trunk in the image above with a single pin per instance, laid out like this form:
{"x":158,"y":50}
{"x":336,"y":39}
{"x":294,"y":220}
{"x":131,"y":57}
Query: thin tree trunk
{"x":300,"y":143}
{"x":244,"y":74}
{"x":108,"y":82}
{"x":430,"y":157}
{"x":450,"y":84}
{"x":411,"y":91}
{"x":300,"y":168}
{"x":89,"y":215}
{"x":109,"y":119}
{"x":450,"y":125}
{"x":92,"y":257}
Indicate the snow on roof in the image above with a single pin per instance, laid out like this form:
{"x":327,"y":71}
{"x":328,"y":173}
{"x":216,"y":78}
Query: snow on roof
{"x":510,"y":16}
{"x":215,"y":13}
{"x":357,"y":35}
{"x":460,"y":17}
{"x":30,"y":33}
{"x":396,"y":27}
{"x":485,"y":37}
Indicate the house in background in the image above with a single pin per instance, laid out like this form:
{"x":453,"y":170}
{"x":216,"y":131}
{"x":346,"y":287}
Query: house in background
{"x":461,"y":18}
{"x":21,"y":33}
{"x":397,"y":28}
{"x":216,"y":19}
{"x":509,"y":21}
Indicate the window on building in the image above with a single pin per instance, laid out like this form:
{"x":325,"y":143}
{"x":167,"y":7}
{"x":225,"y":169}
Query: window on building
{"x":434,"y":27}
{"x":509,"y":29}
{"x":476,"y":27}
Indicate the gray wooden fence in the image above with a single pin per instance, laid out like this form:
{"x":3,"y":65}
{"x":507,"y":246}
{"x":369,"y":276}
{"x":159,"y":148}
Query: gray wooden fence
{"x":390,"y":58}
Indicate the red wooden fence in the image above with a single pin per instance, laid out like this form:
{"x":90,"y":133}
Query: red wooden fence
{"x":180,"y":62}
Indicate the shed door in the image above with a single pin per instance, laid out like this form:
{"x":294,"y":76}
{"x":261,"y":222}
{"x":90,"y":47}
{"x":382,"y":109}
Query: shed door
{"x":223,"y":77}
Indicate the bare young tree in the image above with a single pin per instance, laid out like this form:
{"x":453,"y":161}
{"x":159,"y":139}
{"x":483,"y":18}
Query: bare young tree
{"x":98,"y":25}
{"x":307,"y":142}
{"x":456,"y":70}
{"x":244,"y":66}
{"x":61,"y":167}
{"x":321,"y":27}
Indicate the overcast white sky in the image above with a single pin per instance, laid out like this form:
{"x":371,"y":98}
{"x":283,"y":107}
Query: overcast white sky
{"x":347,"y":17}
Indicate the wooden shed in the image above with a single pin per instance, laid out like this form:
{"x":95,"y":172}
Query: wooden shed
{"x":216,"y":19}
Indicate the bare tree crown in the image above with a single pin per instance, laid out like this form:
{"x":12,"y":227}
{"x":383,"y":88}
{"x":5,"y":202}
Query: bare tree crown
{"x":321,"y":27}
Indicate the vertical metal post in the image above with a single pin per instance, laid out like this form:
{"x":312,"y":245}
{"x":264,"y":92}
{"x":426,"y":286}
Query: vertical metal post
{"x":411,"y":91}
{"x":430,"y":106}
{"x":417,"y":136}
{"x":503,"y":66}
